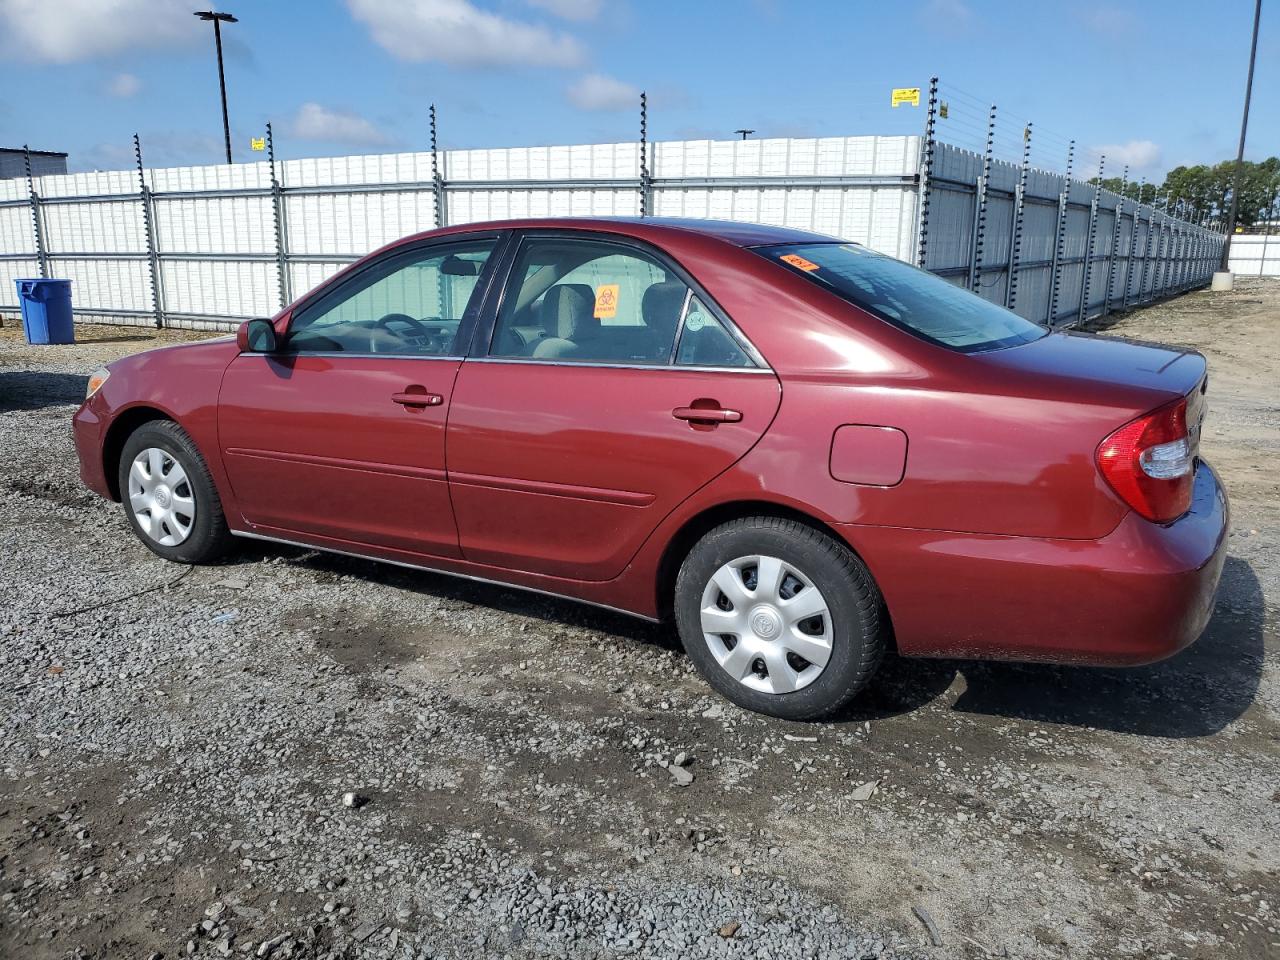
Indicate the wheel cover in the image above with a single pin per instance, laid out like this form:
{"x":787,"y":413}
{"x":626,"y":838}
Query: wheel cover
{"x":766,"y":624}
{"x":161,"y":497}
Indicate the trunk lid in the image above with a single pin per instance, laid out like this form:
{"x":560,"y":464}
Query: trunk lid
{"x":1105,"y":369}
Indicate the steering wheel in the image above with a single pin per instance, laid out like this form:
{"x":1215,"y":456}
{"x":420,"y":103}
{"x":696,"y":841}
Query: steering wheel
{"x":419,"y":327}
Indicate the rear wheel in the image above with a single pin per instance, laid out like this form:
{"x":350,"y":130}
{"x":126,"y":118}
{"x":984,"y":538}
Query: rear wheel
{"x":780,"y":618}
{"x":169,"y":496}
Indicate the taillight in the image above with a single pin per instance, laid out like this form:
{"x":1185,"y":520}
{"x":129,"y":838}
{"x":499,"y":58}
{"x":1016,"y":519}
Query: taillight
{"x":1150,"y":463}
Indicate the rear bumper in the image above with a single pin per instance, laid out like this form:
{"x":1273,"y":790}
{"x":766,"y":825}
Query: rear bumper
{"x":88,"y":427}
{"x":1140,"y":594}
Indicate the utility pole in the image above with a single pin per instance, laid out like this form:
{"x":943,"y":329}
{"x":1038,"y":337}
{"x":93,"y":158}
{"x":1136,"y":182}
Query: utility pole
{"x":218,"y":20}
{"x":1244,"y":126}
{"x":744,"y":133}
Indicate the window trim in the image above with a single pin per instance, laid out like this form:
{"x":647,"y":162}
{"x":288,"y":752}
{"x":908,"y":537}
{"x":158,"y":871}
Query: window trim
{"x":336,"y":286}
{"x":485,"y":331}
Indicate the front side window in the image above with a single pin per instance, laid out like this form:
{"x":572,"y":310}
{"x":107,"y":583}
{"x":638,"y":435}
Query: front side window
{"x":410,"y":304}
{"x":589,"y":301}
{"x":905,"y":296}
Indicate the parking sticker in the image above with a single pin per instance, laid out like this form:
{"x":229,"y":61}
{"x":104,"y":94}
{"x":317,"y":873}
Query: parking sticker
{"x":797,"y":261}
{"x":607,"y":301}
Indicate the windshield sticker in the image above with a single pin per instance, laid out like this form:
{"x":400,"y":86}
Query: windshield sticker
{"x":799,"y":262}
{"x":695,"y":321}
{"x":607,"y":301}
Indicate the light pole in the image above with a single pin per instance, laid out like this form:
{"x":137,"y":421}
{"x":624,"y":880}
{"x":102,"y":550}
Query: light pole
{"x":218,"y":20}
{"x":1244,"y":125}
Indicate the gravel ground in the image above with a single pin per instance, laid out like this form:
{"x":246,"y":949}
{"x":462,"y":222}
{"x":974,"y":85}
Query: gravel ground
{"x":297,"y":755}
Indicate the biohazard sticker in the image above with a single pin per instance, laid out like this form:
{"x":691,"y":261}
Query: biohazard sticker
{"x":606,"y":301}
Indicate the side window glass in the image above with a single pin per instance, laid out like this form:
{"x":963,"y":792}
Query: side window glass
{"x":589,"y":301}
{"x":411,"y":305}
{"x":704,"y":342}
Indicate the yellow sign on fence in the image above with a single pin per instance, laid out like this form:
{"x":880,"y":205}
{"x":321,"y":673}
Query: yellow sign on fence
{"x":903,"y":95}
{"x":258,"y":143}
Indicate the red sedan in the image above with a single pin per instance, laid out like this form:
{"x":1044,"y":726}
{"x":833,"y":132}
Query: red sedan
{"x":800,"y":451}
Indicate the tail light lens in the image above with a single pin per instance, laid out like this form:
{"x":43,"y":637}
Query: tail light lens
{"x":1150,"y":462}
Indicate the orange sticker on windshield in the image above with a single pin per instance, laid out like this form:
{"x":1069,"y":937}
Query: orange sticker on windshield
{"x":606,"y":301}
{"x":797,"y":261}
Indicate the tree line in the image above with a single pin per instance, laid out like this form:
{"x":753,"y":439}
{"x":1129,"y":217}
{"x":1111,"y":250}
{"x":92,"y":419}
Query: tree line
{"x":1202,"y":193}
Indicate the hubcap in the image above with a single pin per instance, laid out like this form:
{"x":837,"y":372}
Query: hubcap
{"x":161,"y":497}
{"x":767,"y":624}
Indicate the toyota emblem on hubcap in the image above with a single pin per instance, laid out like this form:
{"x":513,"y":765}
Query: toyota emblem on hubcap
{"x":765,"y":624}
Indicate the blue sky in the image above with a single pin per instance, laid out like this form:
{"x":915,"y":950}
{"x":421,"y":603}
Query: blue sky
{"x":1154,"y":84}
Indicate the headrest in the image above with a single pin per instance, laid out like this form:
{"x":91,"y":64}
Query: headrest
{"x":568,"y":310}
{"x":661,"y":305}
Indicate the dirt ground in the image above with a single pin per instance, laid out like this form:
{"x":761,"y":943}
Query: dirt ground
{"x":173,"y":764}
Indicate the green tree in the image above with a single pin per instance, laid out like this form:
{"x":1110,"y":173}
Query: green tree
{"x":1203,"y":192}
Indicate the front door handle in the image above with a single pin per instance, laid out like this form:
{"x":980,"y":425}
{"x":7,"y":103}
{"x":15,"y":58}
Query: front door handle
{"x":707,"y":414}
{"x":424,"y":399}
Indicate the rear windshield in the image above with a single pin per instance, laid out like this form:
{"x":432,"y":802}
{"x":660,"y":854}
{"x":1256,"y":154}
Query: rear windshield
{"x":910,"y":298}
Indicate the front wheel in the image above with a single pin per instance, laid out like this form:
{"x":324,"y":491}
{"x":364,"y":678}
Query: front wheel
{"x":169,"y":496}
{"x":779,"y":617}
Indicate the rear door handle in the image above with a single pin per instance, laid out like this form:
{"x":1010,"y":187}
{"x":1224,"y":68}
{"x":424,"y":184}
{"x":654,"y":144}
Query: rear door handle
{"x":706,"y":415}
{"x":417,"y":399}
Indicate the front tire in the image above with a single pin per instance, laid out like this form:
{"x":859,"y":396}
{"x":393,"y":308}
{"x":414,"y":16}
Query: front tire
{"x":779,"y":617}
{"x":169,"y":497}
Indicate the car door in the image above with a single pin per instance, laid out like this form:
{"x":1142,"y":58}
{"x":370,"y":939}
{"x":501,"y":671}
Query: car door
{"x":608,"y":391}
{"x":339,"y":434}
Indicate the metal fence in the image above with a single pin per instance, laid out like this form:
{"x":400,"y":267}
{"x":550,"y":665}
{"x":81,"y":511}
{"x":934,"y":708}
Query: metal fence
{"x":1256,"y":254}
{"x":206,"y":247}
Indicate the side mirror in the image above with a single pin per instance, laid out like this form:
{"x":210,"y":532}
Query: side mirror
{"x":256,"y":336}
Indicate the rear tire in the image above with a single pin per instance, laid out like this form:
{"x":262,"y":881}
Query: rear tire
{"x":779,"y":617}
{"x":169,"y":497}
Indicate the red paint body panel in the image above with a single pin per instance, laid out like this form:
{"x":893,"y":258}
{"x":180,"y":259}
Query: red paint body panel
{"x":317,"y":444}
{"x":608,"y":430}
{"x":998,"y":539}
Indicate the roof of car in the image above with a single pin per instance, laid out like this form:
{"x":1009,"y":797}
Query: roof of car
{"x":731,"y":231}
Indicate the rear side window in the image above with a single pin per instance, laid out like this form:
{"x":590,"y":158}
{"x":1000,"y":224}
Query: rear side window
{"x":905,"y":296}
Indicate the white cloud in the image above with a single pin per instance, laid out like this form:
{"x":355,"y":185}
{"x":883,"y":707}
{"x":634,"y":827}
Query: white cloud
{"x":596,"y":91}
{"x":124,"y":85}
{"x":454,"y":31}
{"x":66,"y":31}
{"x":315,"y":122}
{"x":1138,"y":154}
{"x":580,"y":10}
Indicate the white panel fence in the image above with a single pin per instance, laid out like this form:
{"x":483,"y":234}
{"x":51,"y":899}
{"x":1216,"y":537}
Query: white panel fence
{"x":1256,"y":254}
{"x":206,"y":247}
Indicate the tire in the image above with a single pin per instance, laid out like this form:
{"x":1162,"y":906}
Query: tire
{"x":177,"y":499}
{"x":770,"y":673}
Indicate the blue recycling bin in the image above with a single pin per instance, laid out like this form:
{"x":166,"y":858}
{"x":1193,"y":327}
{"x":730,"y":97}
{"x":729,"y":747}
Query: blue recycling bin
{"x":46,"y":311}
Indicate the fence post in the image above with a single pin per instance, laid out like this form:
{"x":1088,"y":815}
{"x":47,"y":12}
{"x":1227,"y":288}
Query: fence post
{"x":1146,"y":254}
{"x":980,"y":207}
{"x":1015,"y":235}
{"x":1115,"y":241}
{"x":437,"y":180}
{"x":37,"y":218}
{"x":646,"y":180}
{"x":926,"y":173}
{"x":1089,"y":245}
{"x":149,"y":226}
{"x":282,"y":228}
{"x":1055,"y":269}
{"x":1133,"y":244}
{"x":1158,"y":278}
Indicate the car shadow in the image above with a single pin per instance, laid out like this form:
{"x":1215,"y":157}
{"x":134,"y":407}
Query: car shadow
{"x":28,"y":390}
{"x":1194,"y":694}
